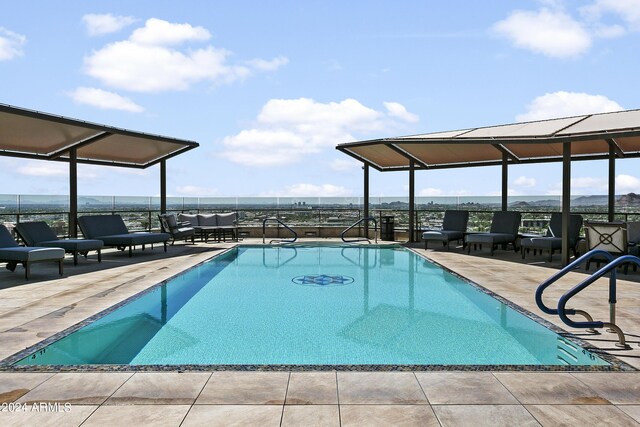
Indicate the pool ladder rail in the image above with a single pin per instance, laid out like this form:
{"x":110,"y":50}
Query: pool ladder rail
{"x":563,"y":312}
{"x":361,"y":239}
{"x":264,"y":227}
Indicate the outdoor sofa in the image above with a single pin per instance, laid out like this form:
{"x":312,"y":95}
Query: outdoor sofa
{"x":504,"y":231}
{"x":12,"y":254}
{"x":454,"y":225}
{"x":553,"y":239}
{"x":112,"y":230}
{"x":38,"y":233}
{"x":220,"y":225}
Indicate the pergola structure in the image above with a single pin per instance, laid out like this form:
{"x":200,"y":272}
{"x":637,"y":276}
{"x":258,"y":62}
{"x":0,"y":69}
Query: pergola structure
{"x":588,"y":137}
{"x":35,"y":135}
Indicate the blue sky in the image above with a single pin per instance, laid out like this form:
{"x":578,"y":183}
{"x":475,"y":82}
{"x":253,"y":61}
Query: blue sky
{"x":269,"y":89}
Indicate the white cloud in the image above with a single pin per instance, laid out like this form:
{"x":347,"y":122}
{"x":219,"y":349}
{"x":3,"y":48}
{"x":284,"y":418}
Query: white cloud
{"x":288,"y":129}
{"x":10,"y":44}
{"x":627,"y":184}
{"x":53,"y":170}
{"x":157,"y":32}
{"x":264,"y":65}
{"x":609,"y":31}
{"x":345,"y":165}
{"x":523,"y":181}
{"x":100,"y":24}
{"x":549,"y":32}
{"x":399,"y":111}
{"x":627,"y":10}
{"x":564,"y":104}
{"x":149,"y":61}
{"x":310,"y":190}
{"x":426,"y":192}
{"x":104,"y":100}
{"x":193,"y":190}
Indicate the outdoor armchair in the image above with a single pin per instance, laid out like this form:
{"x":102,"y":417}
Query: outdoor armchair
{"x":553,"y":239}
{"x":13,"y":254}
{"x":454,"y":225}
{"x":608,"y":236}
{"x":112,"y":230}
{"x":504,"y":231}
{"x":177,"y":230}
{"x":38,"y":233}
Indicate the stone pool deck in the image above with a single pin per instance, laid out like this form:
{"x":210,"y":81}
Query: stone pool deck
{"x":34,"y":310}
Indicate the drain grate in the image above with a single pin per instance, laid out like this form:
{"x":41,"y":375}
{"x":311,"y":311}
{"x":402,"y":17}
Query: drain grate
{"x":322,"y":280}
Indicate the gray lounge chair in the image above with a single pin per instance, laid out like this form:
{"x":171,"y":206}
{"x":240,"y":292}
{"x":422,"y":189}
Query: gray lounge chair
{"x":12,"y":254}
{"x":504,"y":230}
{"x":454,"y":225}
{"x":553,"y":239}
{"x":177,"y":230}
{"x":38,"y":233}
{"x":113,"y":232}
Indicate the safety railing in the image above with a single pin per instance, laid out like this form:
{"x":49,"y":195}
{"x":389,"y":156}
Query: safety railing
{"x":361,"y":239}
{"x":563,"y":312}
{"x":609,"y":268}
{"x":264,"y":230}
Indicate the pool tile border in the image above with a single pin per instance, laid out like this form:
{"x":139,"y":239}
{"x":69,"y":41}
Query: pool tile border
{"x":616,"y":365}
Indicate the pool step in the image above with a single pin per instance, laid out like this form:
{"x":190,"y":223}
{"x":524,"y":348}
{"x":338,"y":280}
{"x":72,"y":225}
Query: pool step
{"x":567,"y":352}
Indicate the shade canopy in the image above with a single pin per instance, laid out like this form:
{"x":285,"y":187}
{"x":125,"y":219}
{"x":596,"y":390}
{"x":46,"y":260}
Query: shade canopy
{"x":591,"y":137}
{"x":36,"y":135}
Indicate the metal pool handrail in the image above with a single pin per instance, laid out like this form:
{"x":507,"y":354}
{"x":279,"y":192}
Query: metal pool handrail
{"x":264,"y":226}
{"x":364,"y":239}
{"x":610,"y":267}
{"x":574,"y":265}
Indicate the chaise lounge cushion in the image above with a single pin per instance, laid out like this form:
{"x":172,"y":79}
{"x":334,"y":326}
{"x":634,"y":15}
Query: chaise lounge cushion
{"x":38,"y":233}
{"x":113,"y":232}
{"x":30,"y":254}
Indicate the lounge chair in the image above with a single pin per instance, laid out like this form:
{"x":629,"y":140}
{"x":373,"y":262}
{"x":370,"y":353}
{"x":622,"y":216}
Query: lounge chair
{"x":454,"y":225}
{"x":113,"y":232}
{"x":12,"y":254}
{"x":553,"y":239}
{"x":38,"y":233}
{"x":177,"y":230}
{"x":608,"y":236}
{"x":504,"y":230}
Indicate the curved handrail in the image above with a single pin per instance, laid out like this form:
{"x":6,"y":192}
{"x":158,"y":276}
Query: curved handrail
{"x":610,"y":267}
{"x":571,"y":266}
{"x":358,"y":264}
{"x":264,"y":226}
{"x":364,"y":239}
{"x":279,"y":264}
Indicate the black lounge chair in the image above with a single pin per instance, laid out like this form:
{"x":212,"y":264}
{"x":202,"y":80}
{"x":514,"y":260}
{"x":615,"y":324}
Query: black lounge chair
{"x":504,"y":230}
{"x":553,"y":240}
{"x":177,"y":230}
{"x":113,"y":232}
{"x":38,"y":233}
{"x":454,"y":225}
{"x":12,"y":254}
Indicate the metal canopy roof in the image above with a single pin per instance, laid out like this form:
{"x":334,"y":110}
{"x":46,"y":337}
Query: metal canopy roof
{"x":591,"y":136}
{"x":36,"y":135}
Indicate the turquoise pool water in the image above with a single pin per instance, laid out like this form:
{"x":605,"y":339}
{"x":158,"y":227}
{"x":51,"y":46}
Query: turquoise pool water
{"x":322,"y":305}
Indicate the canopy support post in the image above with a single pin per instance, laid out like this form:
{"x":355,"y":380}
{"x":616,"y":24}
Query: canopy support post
{"x":73,"y":193}
{"x":611,"y":196}
{"x":412,"y":194}
{"x":505,"y":180}
{"x":366,"y":199}
{"x":163,"y":186}
{"x":566,"y":200}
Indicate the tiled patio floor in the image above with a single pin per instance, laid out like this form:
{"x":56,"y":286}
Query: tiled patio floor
{"x":32,"y":311}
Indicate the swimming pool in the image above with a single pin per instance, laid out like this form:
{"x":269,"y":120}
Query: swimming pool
{"x":317,"y":305}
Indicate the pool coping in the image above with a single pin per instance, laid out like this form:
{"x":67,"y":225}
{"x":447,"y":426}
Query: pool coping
{"x":615,"y":365}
